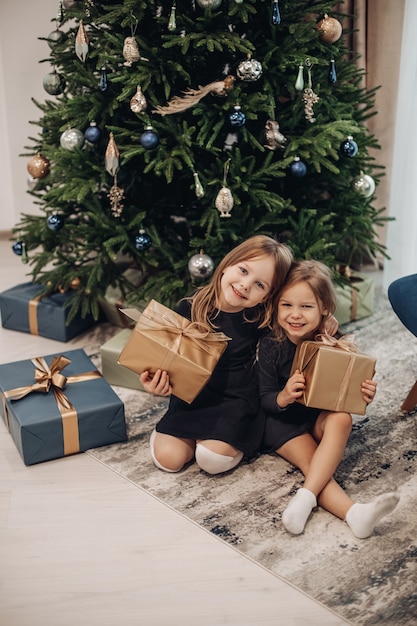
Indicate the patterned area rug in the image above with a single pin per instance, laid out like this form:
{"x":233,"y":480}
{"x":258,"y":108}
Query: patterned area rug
{"x":371,"y":581}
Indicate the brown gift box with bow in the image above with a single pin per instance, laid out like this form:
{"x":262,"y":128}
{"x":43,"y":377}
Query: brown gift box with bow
{"x":163,"y":339}
{"x":333,"y":375}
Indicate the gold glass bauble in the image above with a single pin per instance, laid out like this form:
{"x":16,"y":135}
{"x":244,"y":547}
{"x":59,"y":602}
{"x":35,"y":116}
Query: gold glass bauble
{"x":330,"y":29}
{"x":38,"y":166}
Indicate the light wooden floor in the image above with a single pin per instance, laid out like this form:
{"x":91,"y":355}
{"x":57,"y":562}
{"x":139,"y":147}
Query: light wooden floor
{"x":82,"y":546}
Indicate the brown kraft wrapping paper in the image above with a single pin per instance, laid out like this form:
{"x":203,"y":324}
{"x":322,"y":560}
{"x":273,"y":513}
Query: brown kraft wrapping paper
{"x":163,"y":339}
{"x":333,"y":376}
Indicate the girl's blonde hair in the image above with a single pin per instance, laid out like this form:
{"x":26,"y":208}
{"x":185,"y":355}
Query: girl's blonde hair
{"x":319,"y":277}
{"x":205,"y":302}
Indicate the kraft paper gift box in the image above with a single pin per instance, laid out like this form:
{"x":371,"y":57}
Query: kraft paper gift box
{"x":162,"y":339}
{"x":333,"y":376}
{"x":114,"y":300}
{"x":114,"y":372}
{"x":59,"y":405}
{"x":355,"y":301}
{"x":23,"y":310}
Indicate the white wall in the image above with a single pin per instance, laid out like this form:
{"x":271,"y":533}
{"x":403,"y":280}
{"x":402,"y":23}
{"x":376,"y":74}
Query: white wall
{"x":21,"y":75}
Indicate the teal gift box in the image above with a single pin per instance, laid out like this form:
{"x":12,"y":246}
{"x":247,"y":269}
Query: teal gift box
{"x":23,"y":310}
{"x":59,"y":405}
{"x":114,"y":372}
{"x":355,"y":301}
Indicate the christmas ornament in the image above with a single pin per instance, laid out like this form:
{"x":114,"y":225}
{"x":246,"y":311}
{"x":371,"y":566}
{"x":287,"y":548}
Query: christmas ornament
{"x":130,"y":51}
{"x":81,"y":43}
{"x":330,"y":29}
{"x":249,"y":70}
{"x":209,"y":4}
{"x":193,"y":96}
{"x":18,"y":248}
{"x":349,"y":148}
{"x":364,"y":184}
{"x":273,"y":138}
{"x":93,"y":133}
{"x":138,"y":102}
{"x":53,"y":83}
{"x":55,"y":37}
{"x":112,"y":156}
{"x":200,"y":265}
{"x":172,"y":23}
{"x":31,"y":182}
{"x":199,"y":190}
{"x":149,"y":139}
{"x":309,"y":97}
{"x":230,"y":141}
{"x":276,"y":16}
{"x":116,"y":196}
{"x":297,"y":168}
{"x":69,"y":4}
{"x":142,"y":241}
{"x":38,"y":166}
{"x":299,"y":83}
{"x":72,"y":139}
{"x":224,"y":200}
{"x":55,"y":222}
{"x":103,"y":79}
{"x":331,"y":75}
{"x":237,"y":118}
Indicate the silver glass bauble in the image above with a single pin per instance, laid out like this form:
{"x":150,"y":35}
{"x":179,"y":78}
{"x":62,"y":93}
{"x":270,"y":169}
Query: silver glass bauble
{"x":200,"y":266}
{"x":72,"y":138}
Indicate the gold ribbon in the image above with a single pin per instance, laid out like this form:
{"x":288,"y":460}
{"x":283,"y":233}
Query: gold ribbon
{"x":47,"y":378}
{"x":344,"y":343}
{"x":33,"y":315}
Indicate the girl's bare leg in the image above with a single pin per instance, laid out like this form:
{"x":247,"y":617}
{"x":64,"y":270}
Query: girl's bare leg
{"x":171,"y":453}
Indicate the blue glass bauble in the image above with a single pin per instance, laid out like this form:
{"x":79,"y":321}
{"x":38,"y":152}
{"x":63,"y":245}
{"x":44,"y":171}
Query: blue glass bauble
{"x":55,"y":222}
{"x":237,"y":118}
{"x":93,"y":133}
{"x":18,"y":248}
{"x":149,"y":139}
{"x":349,"y":147}
{"x":298,"y":168}
{"x":331,"y":75}
{"x":142,"y":241}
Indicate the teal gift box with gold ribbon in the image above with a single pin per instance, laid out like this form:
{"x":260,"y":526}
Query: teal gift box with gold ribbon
{"x":58,"y":405}
{"x":23,"y":309}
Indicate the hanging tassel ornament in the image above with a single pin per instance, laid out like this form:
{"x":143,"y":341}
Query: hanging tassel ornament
{"x":309,"y":97}
{"x":172,"y":22}
{"x":112,"y":156}
{"x":224,"y":200}
{"x":199,"y":189}
{"x":131,"y":52}
{"x":81,"y":43}
{"x":116,"y":195}
{"x":138,"y":103}
{"x":276,"y":16}
{"x":191,"y":97}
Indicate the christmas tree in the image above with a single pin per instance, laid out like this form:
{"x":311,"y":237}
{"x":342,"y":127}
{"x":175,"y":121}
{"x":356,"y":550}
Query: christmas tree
{"x":177,"y":129}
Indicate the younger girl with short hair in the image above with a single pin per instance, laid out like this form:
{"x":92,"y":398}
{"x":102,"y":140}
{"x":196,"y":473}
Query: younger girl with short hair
{"x":311,"y":439}
{"x":224,"y":422}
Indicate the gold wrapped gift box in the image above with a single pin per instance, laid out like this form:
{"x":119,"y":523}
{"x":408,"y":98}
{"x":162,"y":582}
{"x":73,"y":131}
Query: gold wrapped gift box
{"x":333,"y":376}
{"x":163,"y":339}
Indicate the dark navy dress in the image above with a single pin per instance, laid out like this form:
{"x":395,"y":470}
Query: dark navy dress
{"x":228,"y":408}
{"x":281,"y":425}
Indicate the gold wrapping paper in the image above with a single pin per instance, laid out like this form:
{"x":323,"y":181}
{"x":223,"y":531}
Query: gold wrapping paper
{"x":162,"y":339}
{"x":333,"y":376}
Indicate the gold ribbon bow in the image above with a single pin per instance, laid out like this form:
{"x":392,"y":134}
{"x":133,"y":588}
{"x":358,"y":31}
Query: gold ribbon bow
{"x":344,"y":343}
{"x":47,"y":378}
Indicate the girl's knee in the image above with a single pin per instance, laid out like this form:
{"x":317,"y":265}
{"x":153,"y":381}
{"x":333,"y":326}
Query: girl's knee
{"x":214,"y":463}
{"x":167,"y":458}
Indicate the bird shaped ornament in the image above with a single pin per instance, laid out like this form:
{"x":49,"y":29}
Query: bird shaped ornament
{"x":131,"y":52}
{"x":191,"y":97}
{"x":273,"y":137}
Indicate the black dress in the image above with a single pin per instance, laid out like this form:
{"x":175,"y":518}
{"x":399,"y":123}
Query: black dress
{"x":281,"y":425}
{"x":228,"y":408}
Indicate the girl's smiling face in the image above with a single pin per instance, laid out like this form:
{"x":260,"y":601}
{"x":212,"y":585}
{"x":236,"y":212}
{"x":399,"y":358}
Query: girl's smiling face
{"x":246,"y":284}
{"x":300,"y":313}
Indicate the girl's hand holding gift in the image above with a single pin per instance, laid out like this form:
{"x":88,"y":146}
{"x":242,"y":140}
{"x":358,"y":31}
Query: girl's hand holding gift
{"x":158,"y":384}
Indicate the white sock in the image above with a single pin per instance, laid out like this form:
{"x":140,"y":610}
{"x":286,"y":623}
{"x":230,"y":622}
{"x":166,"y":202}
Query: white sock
{"x":297,"y":512}
{"x":363,"y":518}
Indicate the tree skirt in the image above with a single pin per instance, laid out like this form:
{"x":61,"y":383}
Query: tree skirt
{"x":371,"y":581}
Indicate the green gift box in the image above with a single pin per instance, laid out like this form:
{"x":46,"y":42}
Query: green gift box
{"x":59,"y":405}
{"x":114,"y":372}
{"x":356,"y":300}
{"x":23,"y":310}
{"x":114,"y":300}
